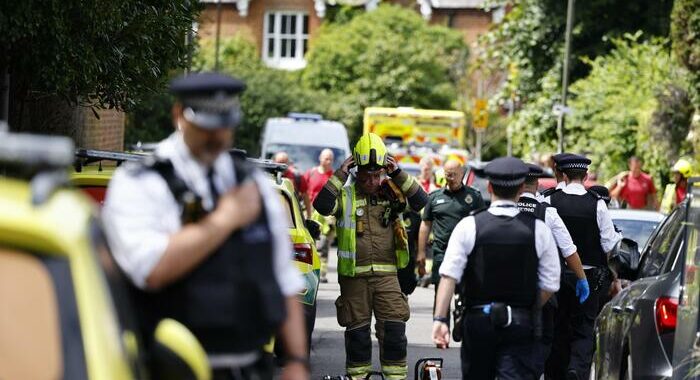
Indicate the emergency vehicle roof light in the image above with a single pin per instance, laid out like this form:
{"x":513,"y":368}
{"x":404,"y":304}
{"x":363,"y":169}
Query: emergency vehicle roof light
{"x":304,"y":116}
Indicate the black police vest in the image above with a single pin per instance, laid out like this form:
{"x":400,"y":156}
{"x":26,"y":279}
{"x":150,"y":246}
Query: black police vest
{"x":533,"y":206}
{"x":502,"y":267}
{"x":579,"y":213}
{"x":231,"y":301}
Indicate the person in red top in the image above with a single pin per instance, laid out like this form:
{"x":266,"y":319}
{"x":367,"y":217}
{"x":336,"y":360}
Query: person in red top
{"x":297,"y":179}
{"x":315,"y":179}
{"x":635,"y":187}
{"x":425,"y":177}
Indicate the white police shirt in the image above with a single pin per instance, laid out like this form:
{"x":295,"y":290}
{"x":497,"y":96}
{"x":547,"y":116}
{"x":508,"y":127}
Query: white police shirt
{"x":608,"y":237}
{"x":561,"y":234}
{"x":463,"y":238}
{"x":141,"y":213}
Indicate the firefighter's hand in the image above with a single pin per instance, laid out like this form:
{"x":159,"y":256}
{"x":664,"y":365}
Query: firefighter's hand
{"x":241,"y":206}
{"x":295,"y":371}
{"x":420,"y":262}
{"x":391,"y":164}
{"x":347,"y":164}
{"x":441,"y":335}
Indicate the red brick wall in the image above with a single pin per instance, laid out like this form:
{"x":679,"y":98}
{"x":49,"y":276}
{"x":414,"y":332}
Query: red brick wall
{"x":471,"y":22}
{"x":106,"y":133}
{"x":252,"y":25}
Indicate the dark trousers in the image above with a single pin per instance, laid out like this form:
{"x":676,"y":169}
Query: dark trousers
{"x":543,"y":347}
{"x":488,"y":352}
{"x":260,"y":370}
{"x":573,"y":344}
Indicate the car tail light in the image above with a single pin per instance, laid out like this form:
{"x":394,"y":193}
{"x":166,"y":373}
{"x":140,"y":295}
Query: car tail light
{"x":666,"y":314}
{"x":303,"y":253}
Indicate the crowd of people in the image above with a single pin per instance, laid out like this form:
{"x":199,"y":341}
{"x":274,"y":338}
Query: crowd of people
{"x":530,"y":270}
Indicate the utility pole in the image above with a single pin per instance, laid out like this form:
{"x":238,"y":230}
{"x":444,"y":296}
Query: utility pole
{"x":565,"y":74}
{"x":5,"y":96}
{"x":218,"y":34}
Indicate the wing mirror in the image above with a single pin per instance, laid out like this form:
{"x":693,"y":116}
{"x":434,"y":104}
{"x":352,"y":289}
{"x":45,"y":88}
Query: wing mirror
{"x":314,"y":228}
{"x":624,"y":259}
{"x":177,"y":354}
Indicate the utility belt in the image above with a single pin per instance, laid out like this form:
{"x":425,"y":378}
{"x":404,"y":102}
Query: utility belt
{"x":502,"y":315}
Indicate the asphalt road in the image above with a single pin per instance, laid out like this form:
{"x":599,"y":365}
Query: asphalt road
{"x":328,"y":347}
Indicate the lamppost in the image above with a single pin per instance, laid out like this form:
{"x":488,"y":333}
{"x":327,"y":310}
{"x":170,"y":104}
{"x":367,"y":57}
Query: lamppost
{"x":565,"y":75}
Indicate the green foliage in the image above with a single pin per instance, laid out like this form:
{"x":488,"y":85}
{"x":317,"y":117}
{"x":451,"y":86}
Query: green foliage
{"x":624,"y":108}
{"x":102,"y":53}
{"x":269,"y":93}
{"x":388,"y":57}
{"x":685,"y":34}
{"x":150,"y":120}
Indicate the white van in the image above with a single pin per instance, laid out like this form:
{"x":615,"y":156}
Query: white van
{"x":303,"y":136}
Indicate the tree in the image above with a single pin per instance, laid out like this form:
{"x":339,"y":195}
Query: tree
{"x":388,"y":57}
{"x":528,"y":47}
{"x":100,"y":53}
{"x":685,"y":34}
{"x":269,"y":92}
{"x":632,"y":103}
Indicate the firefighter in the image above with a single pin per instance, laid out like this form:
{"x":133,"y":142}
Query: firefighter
{"x":372,"y":245}
{"x":675,"y":192}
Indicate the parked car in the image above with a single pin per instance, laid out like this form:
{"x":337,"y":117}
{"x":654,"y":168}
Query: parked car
{"x":303,"y":136}
{"x":634,"y":332}
{"x":65,"y":310}
{"x":637,"y":225}
{"x":94,"y":168}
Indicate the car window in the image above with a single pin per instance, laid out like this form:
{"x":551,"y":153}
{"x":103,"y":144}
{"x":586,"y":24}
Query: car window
{"x":304,"y":157}
{"x":637,"y":230}
{"x":40,"y":334}
{"x":666,"y":241}
{"x":288,"y":210}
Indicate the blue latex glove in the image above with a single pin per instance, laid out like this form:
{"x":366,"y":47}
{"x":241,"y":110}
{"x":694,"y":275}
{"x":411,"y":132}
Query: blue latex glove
{"x":582,"y":290}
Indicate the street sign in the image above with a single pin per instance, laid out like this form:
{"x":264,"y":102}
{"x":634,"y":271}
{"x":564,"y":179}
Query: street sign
{"x":559,"y":109}
{"x":480,"y":115}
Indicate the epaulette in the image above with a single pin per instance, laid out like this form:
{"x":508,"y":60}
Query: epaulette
{"x":550,"y":191}
{"x":477,"y":211}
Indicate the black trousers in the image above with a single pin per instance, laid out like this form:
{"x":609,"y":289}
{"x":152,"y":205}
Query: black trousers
{"x":543,"y":346}
{"x":574,"y":344}
{"x":488,"y":352}
{"x":260,"y":370}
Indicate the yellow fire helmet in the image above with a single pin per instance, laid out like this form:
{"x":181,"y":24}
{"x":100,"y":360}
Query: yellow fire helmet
{"x":370,"y":152}
{"x":683,"y":167}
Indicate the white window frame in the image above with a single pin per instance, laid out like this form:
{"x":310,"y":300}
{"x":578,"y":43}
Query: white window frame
{"x":276,"y":61}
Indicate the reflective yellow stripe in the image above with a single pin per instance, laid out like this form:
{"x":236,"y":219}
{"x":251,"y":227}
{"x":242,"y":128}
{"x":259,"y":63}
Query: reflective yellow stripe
{"x":395,"y":371}
{"x":346,"y":255}
{"x":335,"y":182}
{"x":407,"y":185}
{"x":359,"y":370}
{"x":376,"y":268}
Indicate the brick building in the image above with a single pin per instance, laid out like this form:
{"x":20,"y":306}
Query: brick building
{"x":281,"y":29}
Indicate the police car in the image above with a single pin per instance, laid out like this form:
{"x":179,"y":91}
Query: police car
{"x":65,"y":314}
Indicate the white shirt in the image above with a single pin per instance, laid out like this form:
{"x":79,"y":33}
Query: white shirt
{"x":141,"y":213}
{"x":463,"y":238}
{"x":559,"y":231}
{"x":608,"y":237}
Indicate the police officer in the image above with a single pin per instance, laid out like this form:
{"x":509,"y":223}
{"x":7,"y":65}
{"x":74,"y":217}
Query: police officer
{"x":507,"y":261}
{"x":587,"y":219}
{"x":372,"y":245}
{"x":558,"y":175}
{"x":445,"y":208}
{"x":185,"y":224}
{"x":567,"y":249}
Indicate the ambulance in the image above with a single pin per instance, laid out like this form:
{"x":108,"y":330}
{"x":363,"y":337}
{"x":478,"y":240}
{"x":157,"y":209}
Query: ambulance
{"x":412,"y":126}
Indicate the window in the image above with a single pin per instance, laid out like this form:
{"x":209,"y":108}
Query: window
{"x":666,"y":241}
{"x":285,"y":39}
